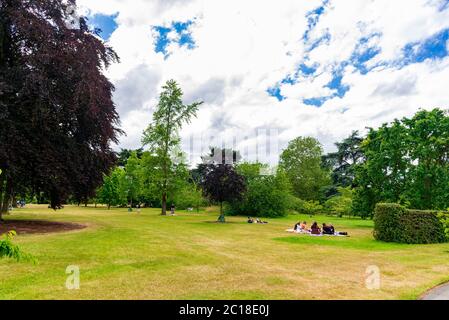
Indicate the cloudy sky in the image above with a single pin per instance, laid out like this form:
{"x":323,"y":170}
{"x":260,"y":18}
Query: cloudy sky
{"x":298,"y":67}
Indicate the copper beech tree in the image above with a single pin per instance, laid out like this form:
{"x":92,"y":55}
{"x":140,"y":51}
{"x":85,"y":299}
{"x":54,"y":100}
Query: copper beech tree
{"x":57,"y":117}
{"x":222,"y":183}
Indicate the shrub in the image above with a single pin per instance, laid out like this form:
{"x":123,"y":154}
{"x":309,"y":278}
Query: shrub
{"x":444,"y":218}
{"x":394,"y":223}
{"x":10,"y":250}
{"x":306,"y":207}
{"x":264,"y":198}
{"x":189,"y":196}
{"x":340,"y":204}
{"x":422,"y":227}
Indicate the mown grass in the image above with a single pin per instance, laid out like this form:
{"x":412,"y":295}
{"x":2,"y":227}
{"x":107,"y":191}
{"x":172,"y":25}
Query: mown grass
{"x":147,"y":256}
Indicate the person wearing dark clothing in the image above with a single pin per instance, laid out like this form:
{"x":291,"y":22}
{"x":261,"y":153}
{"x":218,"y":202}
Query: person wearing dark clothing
{"x":328,"y":229}
{"x":315,"y":229}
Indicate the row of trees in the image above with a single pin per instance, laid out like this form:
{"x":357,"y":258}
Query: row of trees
{"x":404,"y":162}
{"x":139,"y":181}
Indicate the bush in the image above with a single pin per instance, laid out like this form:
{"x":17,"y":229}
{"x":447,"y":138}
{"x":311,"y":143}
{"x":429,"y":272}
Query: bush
{"x":340,"y":204}
{"x":394,"y":223}
{"x":263,"y":198}
{"x":310,"y":208}
{"x":190,"y":196}
{"x":10,"y":250}
{"x":444,"y":218}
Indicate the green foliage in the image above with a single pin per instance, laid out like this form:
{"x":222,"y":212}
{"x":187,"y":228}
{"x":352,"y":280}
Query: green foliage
{"x":251,"y":170}
{"x":12,"y":251}
{"x":340,"y":204}
{"x":189,"y":195}
{"x":132,"y":180}
{"x":162,"y":135}
{"x":387,"y":219}
{"x":222,"y":183}
{"x":344,"y":160}
{"x":310,"y":207}
{"x":112,"y":192}
{"x":444,"y":219}
{"x":407,"y":162}
{"x":124,"y":155}
{"x":266,"y":196}
{"x":302,"y":163}
{"x":394,"y":223}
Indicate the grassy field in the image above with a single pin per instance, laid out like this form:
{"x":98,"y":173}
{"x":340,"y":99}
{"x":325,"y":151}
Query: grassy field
{"x":147,"y":256}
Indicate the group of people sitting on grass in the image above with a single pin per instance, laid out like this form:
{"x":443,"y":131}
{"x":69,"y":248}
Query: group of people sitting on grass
{"x":327,"y":229}
{"x":257,"y":220}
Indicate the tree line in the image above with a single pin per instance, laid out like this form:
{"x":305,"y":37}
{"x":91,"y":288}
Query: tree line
{"x":403,"y":162}
{"x":58,"y":120}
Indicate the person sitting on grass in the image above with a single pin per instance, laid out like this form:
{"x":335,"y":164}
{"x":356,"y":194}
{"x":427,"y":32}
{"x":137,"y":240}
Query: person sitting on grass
{"x":250,"y":220}
{"x":301,"y":227}
{"x":315,"y":229}
{"x":328,"y":229}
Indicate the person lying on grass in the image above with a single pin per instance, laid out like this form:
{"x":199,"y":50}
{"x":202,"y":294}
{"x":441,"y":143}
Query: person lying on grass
{"x":251,"y":220}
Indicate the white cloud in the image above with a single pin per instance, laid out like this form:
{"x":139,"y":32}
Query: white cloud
{"x":245,"y":47}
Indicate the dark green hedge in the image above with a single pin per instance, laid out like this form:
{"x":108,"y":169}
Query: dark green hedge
{"x":394,"y":223}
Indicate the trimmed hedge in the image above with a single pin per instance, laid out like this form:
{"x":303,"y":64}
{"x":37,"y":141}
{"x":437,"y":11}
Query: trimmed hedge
{"x":394,"y":223}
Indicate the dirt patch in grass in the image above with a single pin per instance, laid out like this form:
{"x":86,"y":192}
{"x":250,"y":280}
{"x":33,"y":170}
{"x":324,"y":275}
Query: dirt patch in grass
{"x":37,"y":226}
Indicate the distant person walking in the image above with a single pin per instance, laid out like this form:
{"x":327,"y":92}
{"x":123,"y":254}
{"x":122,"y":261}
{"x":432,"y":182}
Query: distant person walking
{"x":172,"y":209}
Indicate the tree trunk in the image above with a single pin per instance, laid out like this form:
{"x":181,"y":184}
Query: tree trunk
{"x":221,"y":219}
{"x":14,"y":200}
{"x":6,"y":197}
{"x":2,"y":193}
{"x":164,"y":204}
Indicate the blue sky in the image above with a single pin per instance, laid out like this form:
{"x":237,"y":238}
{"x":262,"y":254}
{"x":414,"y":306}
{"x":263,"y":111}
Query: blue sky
{"x":106,"y":23}
{"x":318,"y":68}
{"x":177,"y":32}
{"x":432,"y":47}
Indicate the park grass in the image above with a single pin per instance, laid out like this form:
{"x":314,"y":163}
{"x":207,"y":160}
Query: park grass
{"x":147,"y":256}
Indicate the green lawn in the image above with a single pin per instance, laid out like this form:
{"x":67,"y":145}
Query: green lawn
{"x":147,"y":256}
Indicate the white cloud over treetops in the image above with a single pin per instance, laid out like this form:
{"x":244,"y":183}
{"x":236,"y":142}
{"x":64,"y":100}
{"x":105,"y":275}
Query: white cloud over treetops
{"x":243,"y":48}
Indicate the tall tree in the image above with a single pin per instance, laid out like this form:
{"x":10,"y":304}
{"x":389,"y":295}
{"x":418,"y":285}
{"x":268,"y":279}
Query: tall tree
{"x":162,"y":135}
{"x":222,"y":184}
{"x":57,"y":114}
{"x":407,"y":162}
{"x":110,"y":192}
{"x":133,"y":182}
{"x":301,"y":161}
{"x":124,"y":154}
{"x":344,"y":160}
